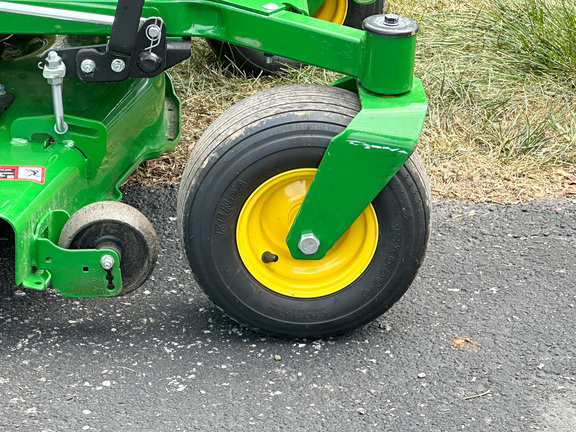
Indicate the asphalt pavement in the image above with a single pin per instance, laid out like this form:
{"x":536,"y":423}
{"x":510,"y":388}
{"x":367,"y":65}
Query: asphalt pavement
{"x":484,"y":340}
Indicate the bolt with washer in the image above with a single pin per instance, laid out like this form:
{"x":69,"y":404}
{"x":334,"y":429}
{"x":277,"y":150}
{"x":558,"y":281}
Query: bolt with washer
{"x":107,"y":262}
{"x":88,"y":66}
{"x":118,"y":65}
{"x":309,"y":244}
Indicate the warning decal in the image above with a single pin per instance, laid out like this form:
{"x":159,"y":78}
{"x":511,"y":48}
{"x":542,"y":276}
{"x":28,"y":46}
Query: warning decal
{"x":31,"y":173}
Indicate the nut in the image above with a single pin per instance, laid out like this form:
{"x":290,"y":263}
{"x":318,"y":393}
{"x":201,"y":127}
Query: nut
{"x":107,"y":262}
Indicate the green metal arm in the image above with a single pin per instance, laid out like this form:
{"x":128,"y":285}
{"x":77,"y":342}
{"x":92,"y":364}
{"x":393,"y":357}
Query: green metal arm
{"x":357,"y":165}
{"x":383,"y":65}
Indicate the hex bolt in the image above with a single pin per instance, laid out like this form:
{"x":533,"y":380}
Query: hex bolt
{"x":118,"y":65}
{"x":88,"y":66}
{"x":309,"y":244}
{"x":2,"y":90}
{"x":107,"y":262}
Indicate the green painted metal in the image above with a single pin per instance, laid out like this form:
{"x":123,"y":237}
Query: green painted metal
{"x":373,"y":59}
{"x":88,"y":136}
{"x":114,"y":127}
{"x":394,"y":64}
{"x":357,"y":165}
{"x":312,"y":6}
{"x":75,"y":273}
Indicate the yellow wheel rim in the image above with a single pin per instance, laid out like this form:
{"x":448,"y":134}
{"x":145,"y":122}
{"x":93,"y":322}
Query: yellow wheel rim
{"x":333,"y":11}
{"x":264,"y":223}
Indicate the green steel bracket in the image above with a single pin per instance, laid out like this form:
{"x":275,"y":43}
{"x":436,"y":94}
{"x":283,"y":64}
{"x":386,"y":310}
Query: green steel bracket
{"x":73,"y":273}
{"x":357,"y":165}
{"x":88,"y":136}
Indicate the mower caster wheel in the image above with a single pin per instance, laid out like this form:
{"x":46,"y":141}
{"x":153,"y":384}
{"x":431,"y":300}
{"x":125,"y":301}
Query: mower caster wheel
{"x":116,"y":226}
{"x":241,"y":190}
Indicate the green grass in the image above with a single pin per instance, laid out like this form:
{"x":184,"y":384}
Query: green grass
{"x":536,"y":37}
{"x":500,"y":76}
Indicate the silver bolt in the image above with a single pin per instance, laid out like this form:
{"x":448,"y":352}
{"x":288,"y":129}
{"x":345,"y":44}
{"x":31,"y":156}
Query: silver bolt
{"x":107,"y":262}
{"x":153,"y":31}
{"x":54,"y":72}
{"x":88,"y":66}
{"x":2,"y":90}
{"x":118,"y":65}
{"x":271,"y":6}
{"x":308,"y":244}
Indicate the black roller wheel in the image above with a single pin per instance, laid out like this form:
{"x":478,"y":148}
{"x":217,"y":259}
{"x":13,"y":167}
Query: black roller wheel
{"x":117,"y":226}
{"x":254,"y":63}
{"x":240,"y":192}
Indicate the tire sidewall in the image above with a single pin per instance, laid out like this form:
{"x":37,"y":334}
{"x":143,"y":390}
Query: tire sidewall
{"x":211,"y":242}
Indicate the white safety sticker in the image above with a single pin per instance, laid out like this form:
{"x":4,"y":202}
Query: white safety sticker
{"x":30,"y":173}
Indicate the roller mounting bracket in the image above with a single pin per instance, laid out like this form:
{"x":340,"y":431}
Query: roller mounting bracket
{"x":137,"y":48}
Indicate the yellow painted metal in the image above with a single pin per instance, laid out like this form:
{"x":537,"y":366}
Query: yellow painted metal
{"x":264,"y":223}
{"x":333,"y":11}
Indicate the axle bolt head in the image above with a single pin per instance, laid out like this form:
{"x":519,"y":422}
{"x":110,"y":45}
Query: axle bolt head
{"x":107,"y":262}
{"x":88,"y":66}
{"x":118,"y":65}
{"x":308,"y":244}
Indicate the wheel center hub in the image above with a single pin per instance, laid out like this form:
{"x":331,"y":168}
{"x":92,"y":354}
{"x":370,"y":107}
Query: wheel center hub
{"x":264,"y":223}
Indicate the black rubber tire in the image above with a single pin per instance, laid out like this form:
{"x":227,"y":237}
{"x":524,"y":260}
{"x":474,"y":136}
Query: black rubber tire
{"x":254,"y":63}
{"x":119,"y":226}
{"x":268,"y":133}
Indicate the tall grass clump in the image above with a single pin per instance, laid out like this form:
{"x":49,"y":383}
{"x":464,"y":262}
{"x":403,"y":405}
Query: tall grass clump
{"x":500,"y":76}
{"x":535,"y":36}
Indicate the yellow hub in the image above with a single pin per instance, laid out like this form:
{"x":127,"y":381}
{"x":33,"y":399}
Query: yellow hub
{"x":333,"y":11}
{"x":264,"y":223}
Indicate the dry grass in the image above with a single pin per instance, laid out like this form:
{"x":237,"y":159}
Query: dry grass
{"x":501,"y":127}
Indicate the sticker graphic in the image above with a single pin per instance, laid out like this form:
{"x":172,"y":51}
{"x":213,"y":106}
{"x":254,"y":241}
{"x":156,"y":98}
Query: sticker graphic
{"x":31,"y":173}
